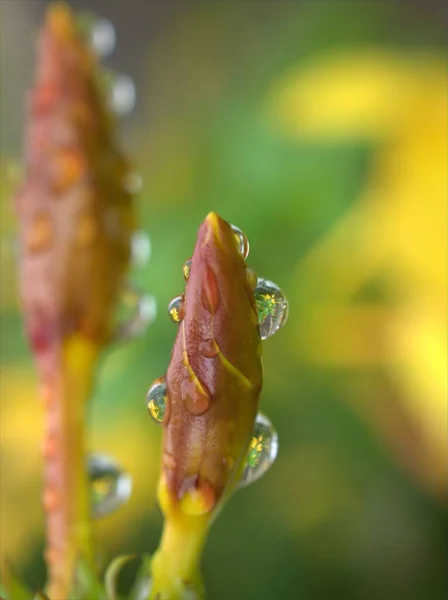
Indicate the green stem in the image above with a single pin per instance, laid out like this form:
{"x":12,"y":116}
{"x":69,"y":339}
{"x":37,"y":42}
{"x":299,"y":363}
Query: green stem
{"x":175,"y":567}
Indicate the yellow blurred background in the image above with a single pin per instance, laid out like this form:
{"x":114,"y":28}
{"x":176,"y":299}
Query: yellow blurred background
{"x":320,"y":129}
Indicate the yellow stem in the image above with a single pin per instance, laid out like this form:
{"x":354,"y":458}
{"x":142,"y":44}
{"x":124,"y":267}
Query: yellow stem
{"x":175,"y":567}
{"x":67,"y":490}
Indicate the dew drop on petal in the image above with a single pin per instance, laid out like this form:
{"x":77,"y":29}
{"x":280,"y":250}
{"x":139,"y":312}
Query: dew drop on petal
{"x":272,"y":307}
{"x":123,"y":96}
{"x":242,"y":241}
{"x":262,"y":450}
{"x":195,"y":395}
{"x":186,"y":269}
{"x":156,"y":400}
{"x":110,"y":486}
{"x":102,"y":37}
{"x":140,"y":248}
{"x":176,"y":308}
{"x":209,"y":348}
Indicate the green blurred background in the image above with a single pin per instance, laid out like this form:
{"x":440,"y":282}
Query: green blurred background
{"x":320,"y":129}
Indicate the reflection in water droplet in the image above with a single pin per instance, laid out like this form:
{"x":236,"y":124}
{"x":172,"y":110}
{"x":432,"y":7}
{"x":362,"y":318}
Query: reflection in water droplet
{"x":272,"y":307}
{"x":135,"y":312}
{"x":186,"y":269}
{"x":140,"y":248}
{"x":242,"y":241}
{"x":156,"y":400}
{"x":176,"y":308}
{"x":123,"y":95}
{"x":132,"y":182}
{"x":102,"y":37}
{"x":110,"y":485}
{"x":262,"y":451}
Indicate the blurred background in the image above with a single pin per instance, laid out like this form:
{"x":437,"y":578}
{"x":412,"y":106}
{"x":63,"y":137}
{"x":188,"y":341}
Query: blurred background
{"x":320,"y":129}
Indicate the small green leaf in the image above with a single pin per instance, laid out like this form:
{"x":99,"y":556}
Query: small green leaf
{"x":87,"y":585}
{"x":14,"y":588}
{"x":112,"y":572}
{"x":140,"y":589}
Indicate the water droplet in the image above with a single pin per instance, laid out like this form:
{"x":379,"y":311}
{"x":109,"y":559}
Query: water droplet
{"x":123,"y":96}
{"x":196,"y":396}
{"x":140,"y":248}
{"x":186,"y":269}
{"x":272,"y":307}
{"x":157,"y":400}
{"x":208,"y":348}
{"x":210,"y":291}
{"x":242,"y":241}
{"x":228,"y":462}
{"x":262,"y":451}
{"x":110,"y":485}
{"x":132,"y":182}
{"x":176,"y":308}
{"x":135,"y":312}
{"x":102,"y":37}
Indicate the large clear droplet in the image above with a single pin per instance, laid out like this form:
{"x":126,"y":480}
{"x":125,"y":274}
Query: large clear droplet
{"x":156,"y":400}
{"x":110,"y":485}
{"x":102,"y":37}
{"x":242,"y":241}
{"x":140,"y":248}
{"x":262,"y":450}
{"x":176,"y":308}
{"x":136,"y":311}
{"x":272,"y":307}
{"x":122,"y":96}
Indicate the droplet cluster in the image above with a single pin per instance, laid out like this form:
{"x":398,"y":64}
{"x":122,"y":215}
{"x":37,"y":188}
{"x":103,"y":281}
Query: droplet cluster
{"x":271,"y":314}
